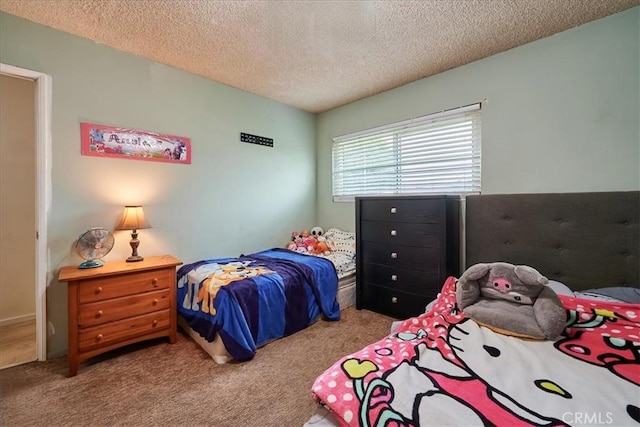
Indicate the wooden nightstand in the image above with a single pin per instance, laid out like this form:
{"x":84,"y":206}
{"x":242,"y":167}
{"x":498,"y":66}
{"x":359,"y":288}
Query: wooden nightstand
{"x":119,"y":303}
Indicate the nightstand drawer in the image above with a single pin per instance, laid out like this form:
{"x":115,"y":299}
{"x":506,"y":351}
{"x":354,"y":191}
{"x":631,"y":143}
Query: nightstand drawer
{"x":419,"y":259}
{"x":403,"y":233}
{"x":394,"y":302}
{"x":101,"y":336}
{"x":417,"y":282}
{"x":107,"y":311}
{"x":100,"y":289}
{"x":424,"y":211}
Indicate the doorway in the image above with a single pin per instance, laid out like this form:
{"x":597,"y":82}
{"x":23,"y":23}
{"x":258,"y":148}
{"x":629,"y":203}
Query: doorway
{"x":25,"y":111}
{"x":17,"y":221}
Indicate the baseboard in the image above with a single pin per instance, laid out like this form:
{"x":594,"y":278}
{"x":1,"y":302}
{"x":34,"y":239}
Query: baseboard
{"x":55,"y":354}
{"x":17,"y":319}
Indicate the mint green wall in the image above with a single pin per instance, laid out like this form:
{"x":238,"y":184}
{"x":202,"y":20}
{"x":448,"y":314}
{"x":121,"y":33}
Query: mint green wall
{"x":234,"y":198}
{"x":562,"y":114}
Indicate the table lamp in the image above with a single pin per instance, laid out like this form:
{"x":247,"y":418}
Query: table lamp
{"x":133,"y":219}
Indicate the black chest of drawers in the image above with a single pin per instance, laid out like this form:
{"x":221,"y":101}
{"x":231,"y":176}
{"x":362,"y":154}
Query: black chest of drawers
{"x":405,"y":249}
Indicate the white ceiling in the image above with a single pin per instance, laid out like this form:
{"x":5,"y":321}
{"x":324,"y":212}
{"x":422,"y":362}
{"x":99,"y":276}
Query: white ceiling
{"x":313,"y":55}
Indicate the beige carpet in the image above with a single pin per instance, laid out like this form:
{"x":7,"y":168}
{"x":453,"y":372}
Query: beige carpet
{"x":179,"y":385}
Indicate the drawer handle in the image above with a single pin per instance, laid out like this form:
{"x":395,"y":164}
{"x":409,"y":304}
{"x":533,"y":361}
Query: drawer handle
{"x":394,"y":278}
{"x":394,"y":300}
{"x":394,"y":210}
{"x":154,"y":281}
{"x":98,"y":290}
{"x":394,"y":233}
{"x":155,"y":323}
{"x":154,"y":302}
{"x":99,"y":314}
{"x":394,"y":255}
{"x":99,"y":337}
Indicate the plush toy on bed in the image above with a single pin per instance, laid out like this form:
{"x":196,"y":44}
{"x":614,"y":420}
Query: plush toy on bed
{"x":317,"y":231}
{"x":297,"y":243}
{"x":511,"y":300}
{"x":322,"y":248}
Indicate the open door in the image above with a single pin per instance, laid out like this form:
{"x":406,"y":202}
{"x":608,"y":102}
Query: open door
{"x":27,"y":244}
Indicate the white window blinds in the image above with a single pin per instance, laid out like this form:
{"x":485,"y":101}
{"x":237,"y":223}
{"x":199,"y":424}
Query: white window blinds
{"x":438,"y":153}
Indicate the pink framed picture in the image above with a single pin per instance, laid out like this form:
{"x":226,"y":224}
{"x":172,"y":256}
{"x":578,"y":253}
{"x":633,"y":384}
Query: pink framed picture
{"x":122,"y":143}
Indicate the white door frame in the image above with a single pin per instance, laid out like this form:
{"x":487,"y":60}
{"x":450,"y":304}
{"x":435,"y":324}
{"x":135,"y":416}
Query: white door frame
{"x":43,"y":193}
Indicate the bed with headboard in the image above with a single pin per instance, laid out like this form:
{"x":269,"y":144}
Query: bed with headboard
{"x":442,"y":368}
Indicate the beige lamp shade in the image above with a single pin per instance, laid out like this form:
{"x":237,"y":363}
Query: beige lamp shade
{"x":133,"y":219}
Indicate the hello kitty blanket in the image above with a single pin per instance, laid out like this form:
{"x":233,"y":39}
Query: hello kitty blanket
{"x":441,"y":368}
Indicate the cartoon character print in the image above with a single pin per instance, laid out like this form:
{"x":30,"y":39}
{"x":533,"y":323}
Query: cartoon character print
{"x":179,"y":150}
{"x":539,"y":389}
{"x":603,"y":334}
{"x":96,"y":140}
{"x":444,"y":360}
{"x":437,"y":378}
{"x":394,"y":385}
{"x":378,"y":398}
{"x":210,"y":278}
{"x":97,"y":135}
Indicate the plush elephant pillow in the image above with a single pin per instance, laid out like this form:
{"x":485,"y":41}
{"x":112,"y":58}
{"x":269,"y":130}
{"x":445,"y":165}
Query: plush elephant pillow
{"x":511,"y":299}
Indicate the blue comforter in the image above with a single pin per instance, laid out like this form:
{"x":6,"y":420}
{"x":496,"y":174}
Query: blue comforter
{"x":256,"y":298}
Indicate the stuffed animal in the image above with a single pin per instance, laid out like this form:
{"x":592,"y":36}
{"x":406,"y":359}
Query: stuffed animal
{"x":291,"y":245}
{"x":322,"y":248}
{"x":310,"y":244}
{"x":297,"y":243}
{"x":511,"y":299}
{"x":317,"y":231}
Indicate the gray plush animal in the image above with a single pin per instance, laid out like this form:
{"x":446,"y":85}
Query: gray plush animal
{"x":511,"y":299}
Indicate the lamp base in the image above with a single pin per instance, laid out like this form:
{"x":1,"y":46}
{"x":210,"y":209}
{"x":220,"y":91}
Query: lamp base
{"x":135,"y":258}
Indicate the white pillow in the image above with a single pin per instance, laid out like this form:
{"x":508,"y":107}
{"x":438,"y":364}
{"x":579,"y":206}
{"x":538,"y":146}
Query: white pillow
{"x":341,"y":241}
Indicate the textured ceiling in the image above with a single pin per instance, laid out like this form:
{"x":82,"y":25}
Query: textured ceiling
{"x":314,"y":55}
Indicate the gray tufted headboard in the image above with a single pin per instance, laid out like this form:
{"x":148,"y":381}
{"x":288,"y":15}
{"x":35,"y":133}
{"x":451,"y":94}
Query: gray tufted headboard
{"x":584,"y":240}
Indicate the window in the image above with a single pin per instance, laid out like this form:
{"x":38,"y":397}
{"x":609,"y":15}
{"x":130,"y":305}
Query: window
{"x":438,"y":153}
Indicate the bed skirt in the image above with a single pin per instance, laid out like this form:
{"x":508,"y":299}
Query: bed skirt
{"x":346,"y":295}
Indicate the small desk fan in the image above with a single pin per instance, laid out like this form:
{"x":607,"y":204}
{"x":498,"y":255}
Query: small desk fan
{"x":92,"y":245}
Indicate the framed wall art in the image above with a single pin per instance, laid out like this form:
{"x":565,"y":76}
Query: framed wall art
{"x":123,"y":143}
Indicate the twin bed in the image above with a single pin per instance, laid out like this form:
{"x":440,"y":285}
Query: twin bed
{"x":232,"y":306}
{"x":441,"y":368}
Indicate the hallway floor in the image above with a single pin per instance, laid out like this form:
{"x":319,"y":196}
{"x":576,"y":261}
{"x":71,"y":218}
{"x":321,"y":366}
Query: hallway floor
{"x":17,"y":343}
